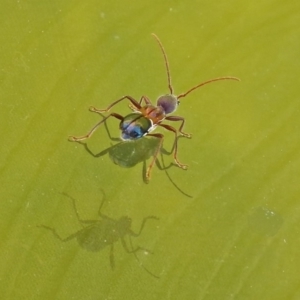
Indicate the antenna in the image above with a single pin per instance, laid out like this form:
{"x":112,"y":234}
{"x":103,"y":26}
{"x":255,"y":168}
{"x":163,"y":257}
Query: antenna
{"x":206,"y":82}
{"x":166,"y":62}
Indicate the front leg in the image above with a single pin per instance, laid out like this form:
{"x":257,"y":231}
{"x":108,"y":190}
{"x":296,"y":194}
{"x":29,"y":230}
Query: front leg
{"x":182,"y":120}
{"x":170,"y":128}
{"x":143,"y":98}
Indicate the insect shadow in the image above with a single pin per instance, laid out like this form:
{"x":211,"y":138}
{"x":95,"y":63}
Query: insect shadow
{"x":96,"y":235}
{"x":129,"y":154}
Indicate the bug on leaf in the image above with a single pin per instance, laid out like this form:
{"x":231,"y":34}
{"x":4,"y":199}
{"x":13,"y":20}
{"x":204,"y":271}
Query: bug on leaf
{"x":146,"y":116}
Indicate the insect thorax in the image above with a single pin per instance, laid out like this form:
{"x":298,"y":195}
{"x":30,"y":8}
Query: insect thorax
{"x":155,"y":113}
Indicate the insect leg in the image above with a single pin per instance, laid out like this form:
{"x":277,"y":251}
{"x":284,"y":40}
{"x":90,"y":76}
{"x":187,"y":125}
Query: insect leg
{"x":57,"y":235}
{"x":100,"y":207}
{"x":177,"y":118}
{"x":146,"y":100}
{"x":170,"y":128}
{"x":88,"y":135}
{"x":81,"y":221}
{"x":161,"y":137}
{"x":140,"y":263}
{"x":133,"y":250}
{"x":143,"y":225}
{"x":132,"y":100}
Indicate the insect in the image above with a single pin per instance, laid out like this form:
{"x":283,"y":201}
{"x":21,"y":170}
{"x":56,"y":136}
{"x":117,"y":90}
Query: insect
{"x":146,"y":117}
{"x":95,"y":235}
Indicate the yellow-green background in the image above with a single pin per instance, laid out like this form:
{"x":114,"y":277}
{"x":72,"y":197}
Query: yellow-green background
{"x":238,"y":236}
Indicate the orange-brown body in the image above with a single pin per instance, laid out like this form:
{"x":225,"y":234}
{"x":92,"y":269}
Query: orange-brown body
{"x":155,"y":113}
